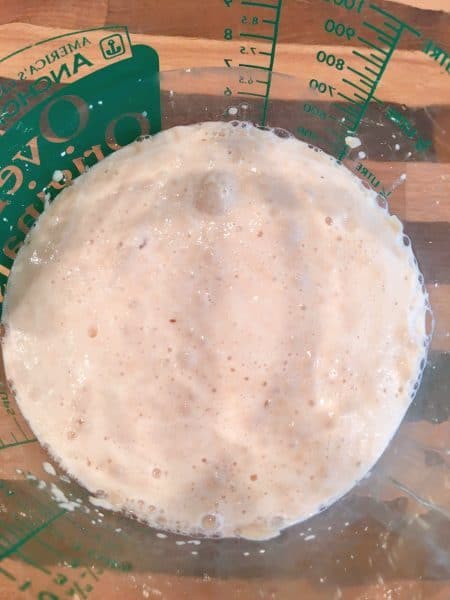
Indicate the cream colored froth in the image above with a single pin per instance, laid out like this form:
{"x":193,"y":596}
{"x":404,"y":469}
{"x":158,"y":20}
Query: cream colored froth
{"x":218,"y":328}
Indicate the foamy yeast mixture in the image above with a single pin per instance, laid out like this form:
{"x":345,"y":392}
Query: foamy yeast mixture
{"x":219,"y":329}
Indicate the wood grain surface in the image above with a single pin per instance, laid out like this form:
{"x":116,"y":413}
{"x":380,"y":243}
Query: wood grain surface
{"x":190,"y":34}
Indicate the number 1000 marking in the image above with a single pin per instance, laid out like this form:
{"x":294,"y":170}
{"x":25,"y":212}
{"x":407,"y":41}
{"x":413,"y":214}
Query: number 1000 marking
{"x":347,"y":4}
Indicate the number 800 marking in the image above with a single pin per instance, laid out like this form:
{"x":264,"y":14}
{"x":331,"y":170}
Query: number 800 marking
{"x":331,"y":60}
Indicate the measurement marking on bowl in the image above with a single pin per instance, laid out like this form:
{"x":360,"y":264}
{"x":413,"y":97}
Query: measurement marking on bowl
{"x":270,"y":36}
{"x":16,"y":442}
{"x":17,"y":435}
{"x":379,"y":58}
{"x":30,"y":535}
{"x":42,"y":518}
{"x":379,"y":32}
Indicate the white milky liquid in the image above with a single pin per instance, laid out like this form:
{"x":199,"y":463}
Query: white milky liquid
{"x":218,"y":328}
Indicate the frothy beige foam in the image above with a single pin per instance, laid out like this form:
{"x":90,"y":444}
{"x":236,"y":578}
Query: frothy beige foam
{"x":217,"y":328}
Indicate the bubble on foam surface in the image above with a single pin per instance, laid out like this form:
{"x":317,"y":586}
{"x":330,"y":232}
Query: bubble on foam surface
{"x":215,"y":194}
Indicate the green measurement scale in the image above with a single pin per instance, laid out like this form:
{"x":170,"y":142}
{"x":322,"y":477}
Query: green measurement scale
{"x":377,"y":36}
{"x":258,"y":36}
{"x":60,"y":548}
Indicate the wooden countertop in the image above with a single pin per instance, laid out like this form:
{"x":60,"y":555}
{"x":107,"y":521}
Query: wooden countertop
{"x":189,"y":34}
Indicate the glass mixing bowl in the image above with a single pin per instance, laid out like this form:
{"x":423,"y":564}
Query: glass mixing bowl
{"x":390,"y":536}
